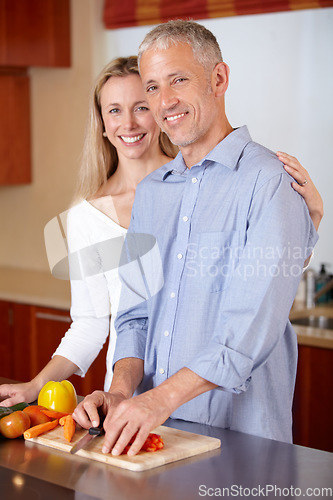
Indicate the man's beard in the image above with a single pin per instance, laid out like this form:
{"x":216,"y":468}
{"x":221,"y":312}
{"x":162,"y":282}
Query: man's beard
{"x":178,"y":143}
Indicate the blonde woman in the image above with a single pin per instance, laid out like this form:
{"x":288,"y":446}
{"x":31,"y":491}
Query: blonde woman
{"x":123,"y":144}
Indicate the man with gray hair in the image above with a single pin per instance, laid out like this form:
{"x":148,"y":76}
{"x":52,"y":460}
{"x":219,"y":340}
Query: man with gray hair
{"x":214,"y":345}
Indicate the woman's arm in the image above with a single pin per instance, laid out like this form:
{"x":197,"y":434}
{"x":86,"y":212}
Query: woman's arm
{"x":57,"y":369}
{"x":81,"y":343}
{"x":304,"y":186}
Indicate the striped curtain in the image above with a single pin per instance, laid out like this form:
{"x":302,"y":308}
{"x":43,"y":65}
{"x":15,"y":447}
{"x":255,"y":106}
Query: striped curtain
{"x":124,"y":13}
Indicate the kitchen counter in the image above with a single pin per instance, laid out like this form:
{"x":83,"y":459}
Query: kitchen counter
{"x":243,"y":462}
{"x":314,"y":337}
{"x":34,"y":287}
{"x":308,"y":335}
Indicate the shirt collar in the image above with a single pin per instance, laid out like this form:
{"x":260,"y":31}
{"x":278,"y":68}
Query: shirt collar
{"x":227,"y":153}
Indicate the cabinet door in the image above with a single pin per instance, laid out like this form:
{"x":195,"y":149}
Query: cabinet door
{"x":313,"y":406}
{"x":35,"y":33}
{"x":15,"y":128}
{"x":15,"y":349}
{"x":29,"y":337}
{"x":48,"y":328}
{"x":21,"y":338}
{"x":6,"y":344}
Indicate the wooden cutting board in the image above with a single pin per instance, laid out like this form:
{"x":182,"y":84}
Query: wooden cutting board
{"x":177,"y":445}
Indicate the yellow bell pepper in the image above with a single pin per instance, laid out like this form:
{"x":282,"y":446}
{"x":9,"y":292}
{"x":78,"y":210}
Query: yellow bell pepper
{"x":58,"y":396}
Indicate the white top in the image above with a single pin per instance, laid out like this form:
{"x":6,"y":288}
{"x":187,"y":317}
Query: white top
{"x":95,"y":297}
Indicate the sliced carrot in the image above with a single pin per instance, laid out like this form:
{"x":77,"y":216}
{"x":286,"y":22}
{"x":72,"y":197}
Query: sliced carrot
{"x":62,"y":420}
{"x":54,"y":414}
{"x":40,"y":429}
{"x":69,"y":427}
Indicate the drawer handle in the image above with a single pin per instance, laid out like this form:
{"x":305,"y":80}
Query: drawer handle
{"x":53,"y":317}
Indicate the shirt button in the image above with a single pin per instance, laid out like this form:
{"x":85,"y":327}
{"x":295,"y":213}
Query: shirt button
{"x":185,"y":218}
{"x":166,"y":333}
{"x":161,"y":371}
{"x":172,"y":295}
{"x":194,"y":180}
{"x":180,"y":256}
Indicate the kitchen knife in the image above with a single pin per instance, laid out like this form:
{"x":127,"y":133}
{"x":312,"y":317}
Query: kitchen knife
{"x":91,"y":434}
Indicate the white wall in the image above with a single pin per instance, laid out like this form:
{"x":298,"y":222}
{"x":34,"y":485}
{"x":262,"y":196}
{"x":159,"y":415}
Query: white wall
{"x":281,"y":86}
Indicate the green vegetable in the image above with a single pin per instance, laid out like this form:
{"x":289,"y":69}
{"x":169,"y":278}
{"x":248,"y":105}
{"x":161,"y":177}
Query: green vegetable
{"x":19,"y":406}
{"x":6,"y":410}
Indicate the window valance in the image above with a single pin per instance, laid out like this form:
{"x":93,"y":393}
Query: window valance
{"x":124,"y":13}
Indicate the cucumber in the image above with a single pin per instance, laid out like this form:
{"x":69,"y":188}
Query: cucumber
{"x":19,"y":406}
{"x":6,"y":410}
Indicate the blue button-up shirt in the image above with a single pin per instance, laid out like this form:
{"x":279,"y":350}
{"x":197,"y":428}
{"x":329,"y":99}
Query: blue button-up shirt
{"x":233,"y":236}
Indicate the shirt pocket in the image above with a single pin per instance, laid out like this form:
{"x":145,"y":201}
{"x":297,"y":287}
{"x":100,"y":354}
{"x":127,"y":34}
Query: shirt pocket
{"x":212,"y":258}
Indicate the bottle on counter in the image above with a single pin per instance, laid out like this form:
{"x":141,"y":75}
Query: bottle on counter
{"x":321,"y":279}
{"x":330,"y":293}
{"x":300,"y":298}
{"x":310,"y":288}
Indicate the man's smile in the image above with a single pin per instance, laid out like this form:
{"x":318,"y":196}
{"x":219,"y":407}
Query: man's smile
{"x":174,"y":117}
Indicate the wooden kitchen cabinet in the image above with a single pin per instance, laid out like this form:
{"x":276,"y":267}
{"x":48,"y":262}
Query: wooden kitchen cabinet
{"x":21,"y":338}
{"x":6,"y":345}
{"x":35,"y":33}
{"x":15,"y":158}
{"x":30,"y":335}
{"x":32,"y":33}
{"x":14,"y":341}
{"x":48,"y":327}
{"x":313,"y":406}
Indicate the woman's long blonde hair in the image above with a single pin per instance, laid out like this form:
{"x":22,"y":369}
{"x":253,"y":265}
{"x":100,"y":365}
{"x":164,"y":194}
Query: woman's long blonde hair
{"x":99,"y":157}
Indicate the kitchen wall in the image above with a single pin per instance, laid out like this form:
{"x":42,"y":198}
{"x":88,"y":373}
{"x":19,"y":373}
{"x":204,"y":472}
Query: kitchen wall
{"x":281,"y":81}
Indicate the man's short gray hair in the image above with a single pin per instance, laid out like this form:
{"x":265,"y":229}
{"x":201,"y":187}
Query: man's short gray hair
{"x":202,"y":41}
